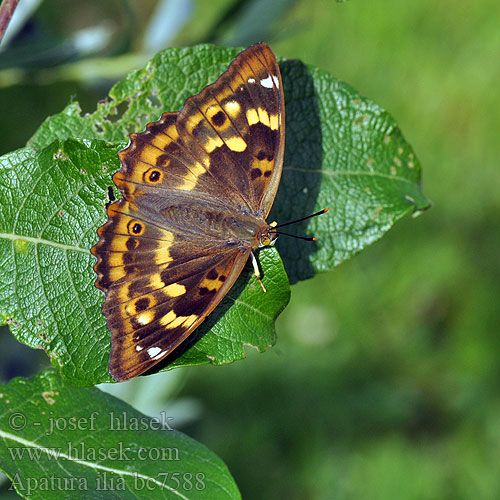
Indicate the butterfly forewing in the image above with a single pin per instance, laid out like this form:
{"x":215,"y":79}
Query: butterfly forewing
{"x":158,"y":163}
{"x":239,"y":121}
{"x":167,"y":254}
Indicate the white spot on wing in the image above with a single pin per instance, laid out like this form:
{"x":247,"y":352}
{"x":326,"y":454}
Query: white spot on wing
{"x":267,"y":82}
{"x":153,"y":351}
{"x":276,"y":81}
{"x":251,"y":80}
{"x":139,"y":348}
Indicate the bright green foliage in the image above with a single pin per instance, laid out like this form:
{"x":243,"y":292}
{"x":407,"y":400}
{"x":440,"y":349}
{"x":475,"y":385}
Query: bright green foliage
{"x":345,"y":153}
{"x":52,"y":201}
{"x":342,"y":152}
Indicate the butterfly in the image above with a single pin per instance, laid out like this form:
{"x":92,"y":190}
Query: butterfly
{"x":197,"y":187}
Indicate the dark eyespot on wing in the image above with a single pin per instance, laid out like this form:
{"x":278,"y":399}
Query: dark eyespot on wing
{"x":255,"y":173}
{"x":219,"y":118}
{"x":212,"y":274}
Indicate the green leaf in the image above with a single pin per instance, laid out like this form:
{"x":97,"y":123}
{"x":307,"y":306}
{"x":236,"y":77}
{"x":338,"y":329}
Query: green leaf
{"x":52,"y":203}
{"x":83,"y":443}
{"x":345,"y":153}
{"x":342,"y":152}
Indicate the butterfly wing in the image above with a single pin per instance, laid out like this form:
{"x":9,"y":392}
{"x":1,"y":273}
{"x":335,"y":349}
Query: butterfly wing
{"x":158,"y":289}
{"x":239,"y":121}
{"x":163,"y":274}
{"x":227,"y":143}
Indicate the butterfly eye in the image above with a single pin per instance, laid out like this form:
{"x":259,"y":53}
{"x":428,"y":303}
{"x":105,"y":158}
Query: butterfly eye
{"x":265,"y":240}
{"x":135,"y":227}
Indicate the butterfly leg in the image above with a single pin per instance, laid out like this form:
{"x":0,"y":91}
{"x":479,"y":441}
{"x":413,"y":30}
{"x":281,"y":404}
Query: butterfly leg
{"x":256,"y":272}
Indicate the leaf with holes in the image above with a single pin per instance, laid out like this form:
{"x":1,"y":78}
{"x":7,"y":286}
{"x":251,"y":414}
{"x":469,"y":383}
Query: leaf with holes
{"x":343,"y":151}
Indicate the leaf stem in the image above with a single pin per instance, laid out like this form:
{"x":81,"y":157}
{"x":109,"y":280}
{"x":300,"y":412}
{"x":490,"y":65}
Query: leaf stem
{"x":7,"y":8}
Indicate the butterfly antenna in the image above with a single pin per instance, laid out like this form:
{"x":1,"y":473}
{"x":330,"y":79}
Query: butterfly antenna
{"x":300,"y":220}
{"x":306,"y":238}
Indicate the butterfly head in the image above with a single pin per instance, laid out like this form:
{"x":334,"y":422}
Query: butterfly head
{"x":267,"y":235}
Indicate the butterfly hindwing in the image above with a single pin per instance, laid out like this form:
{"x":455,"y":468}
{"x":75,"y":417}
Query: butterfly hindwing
{"x":159,"y":285}
{"x":165,"y":309}
{"x":128,"y":247}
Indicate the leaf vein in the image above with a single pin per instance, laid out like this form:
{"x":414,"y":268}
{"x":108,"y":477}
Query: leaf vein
{"x":50,"y":452}
{"x":36,"y":241}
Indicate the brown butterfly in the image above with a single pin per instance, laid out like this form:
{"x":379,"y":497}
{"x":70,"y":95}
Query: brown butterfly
{"x":197,"y":186}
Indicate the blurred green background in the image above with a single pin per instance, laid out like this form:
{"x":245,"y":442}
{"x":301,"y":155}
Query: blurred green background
{"x":384,"y":382}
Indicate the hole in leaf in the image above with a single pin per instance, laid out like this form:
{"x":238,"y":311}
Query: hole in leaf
{"x":98,"y":128}
{"x":117,"y":112}
{"x":59,"y":155}
{"x":154,"y":101}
